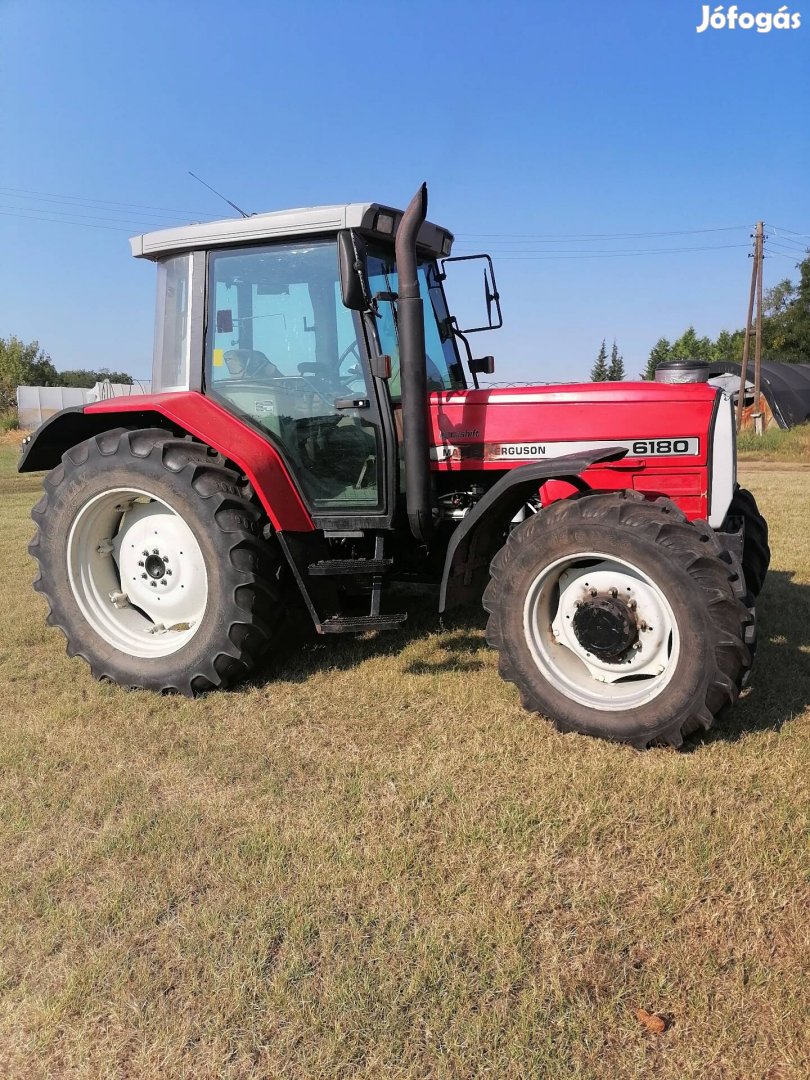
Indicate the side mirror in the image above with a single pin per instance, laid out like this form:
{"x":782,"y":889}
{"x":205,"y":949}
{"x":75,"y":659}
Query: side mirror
{"x":491,"y":295}
{"x":352,"y":264}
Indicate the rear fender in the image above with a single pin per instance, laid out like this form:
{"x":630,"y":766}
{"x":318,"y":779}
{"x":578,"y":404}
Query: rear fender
{"x":43,"y":449}
{"x":182,"y":413}
{"x":476,"y":539}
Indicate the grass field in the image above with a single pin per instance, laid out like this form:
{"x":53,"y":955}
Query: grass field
{"x":374,"y":864}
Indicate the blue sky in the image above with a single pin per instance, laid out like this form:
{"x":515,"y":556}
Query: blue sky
{"x":542,"y":121}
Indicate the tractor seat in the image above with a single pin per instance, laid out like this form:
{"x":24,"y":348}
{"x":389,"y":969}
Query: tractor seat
{"x":250,"y":364}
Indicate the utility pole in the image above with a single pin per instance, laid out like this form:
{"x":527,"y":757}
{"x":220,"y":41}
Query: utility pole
{"x":755,"y":277}
{"x":757,"y":414}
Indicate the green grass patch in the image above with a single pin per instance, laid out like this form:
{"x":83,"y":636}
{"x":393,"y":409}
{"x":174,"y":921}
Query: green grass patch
{"x":775,"y":444}
{"x":369,"y":862}
{"x":9,"y":421}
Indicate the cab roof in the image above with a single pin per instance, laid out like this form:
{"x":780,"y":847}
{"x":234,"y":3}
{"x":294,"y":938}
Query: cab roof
{"x":372,"y":219}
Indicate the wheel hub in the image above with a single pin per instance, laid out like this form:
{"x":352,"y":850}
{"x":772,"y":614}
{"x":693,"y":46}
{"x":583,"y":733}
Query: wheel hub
{"x":601,"y":630}
{"x":155,"y":566}
{"x":606,"y":627}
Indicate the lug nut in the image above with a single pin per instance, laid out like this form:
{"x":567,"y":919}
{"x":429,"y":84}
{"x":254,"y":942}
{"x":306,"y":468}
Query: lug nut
{"x":593,"y":592}
{"x":144,"y":553}
{"x":632,"y":605}
{"x":143,"y":575}
{"x":168,"y":573}
{"x":165,"y":558}
{"x":140,"y":563}
{"x":637,"y":645}
{"x":153,"y":584}
{"x":614,"y":593}
{"x":164,"y":582}
{"x":155,"y":551}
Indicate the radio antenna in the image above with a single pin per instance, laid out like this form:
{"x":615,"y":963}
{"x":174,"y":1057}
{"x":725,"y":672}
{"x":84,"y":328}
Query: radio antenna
{"x":238,"y":209}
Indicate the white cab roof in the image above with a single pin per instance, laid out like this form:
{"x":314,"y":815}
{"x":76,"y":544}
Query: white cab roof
{"x":307,"y":221}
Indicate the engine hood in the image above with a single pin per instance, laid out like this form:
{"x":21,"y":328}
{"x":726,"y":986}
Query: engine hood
{"x":503,"y":427}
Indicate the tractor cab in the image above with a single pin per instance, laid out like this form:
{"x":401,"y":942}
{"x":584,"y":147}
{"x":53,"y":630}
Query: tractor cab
{"x":289,"y":321}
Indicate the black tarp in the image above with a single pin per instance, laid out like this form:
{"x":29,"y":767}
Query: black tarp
{"x":786,"y":388}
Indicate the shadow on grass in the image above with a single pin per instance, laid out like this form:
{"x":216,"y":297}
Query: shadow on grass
{"x":305,"y":653}
{"x":780,"y":680}
{"x":779,"y":688}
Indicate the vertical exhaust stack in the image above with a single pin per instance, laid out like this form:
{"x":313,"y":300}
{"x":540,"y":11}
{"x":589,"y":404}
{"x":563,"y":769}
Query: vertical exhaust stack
{"x":413,"y":375}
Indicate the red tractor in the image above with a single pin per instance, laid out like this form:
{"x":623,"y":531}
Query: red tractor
{"x":312,"y":430}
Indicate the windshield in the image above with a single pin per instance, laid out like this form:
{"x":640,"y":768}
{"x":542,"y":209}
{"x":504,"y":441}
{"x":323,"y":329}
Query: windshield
{"x":444,"y":370}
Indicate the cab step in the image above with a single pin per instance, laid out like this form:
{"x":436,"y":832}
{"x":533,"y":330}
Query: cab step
{"x":349,"y":567}
{"x":342,"y":624}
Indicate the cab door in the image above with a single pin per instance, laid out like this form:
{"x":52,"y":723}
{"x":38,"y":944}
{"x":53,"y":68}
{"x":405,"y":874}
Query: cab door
{"x":284,"y":353}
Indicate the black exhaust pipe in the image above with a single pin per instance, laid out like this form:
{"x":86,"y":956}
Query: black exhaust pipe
{"x":413,"y":375}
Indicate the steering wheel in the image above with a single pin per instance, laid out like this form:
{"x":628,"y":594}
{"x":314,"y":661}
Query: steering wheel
{"x":354,"y":375}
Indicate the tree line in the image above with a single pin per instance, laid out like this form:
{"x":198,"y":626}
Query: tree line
{"x":27,"y":364}
{"x":785,"y":334}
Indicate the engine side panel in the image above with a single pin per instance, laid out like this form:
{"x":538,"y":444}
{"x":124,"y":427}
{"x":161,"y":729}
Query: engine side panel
{"x":665,"y":429}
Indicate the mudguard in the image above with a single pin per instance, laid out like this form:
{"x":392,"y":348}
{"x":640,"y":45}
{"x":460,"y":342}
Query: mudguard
{"x":472,"y":545}
{"x":185,"y":412}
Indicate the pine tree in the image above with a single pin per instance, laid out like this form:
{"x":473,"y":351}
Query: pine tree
{"x":662,"y":350}
{"x":616,"y":369}
{"x":691,"y":347}
{"x":599,"y":371}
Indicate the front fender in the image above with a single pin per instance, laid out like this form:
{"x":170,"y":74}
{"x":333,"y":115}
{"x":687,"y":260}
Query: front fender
{"x":472,"y":545}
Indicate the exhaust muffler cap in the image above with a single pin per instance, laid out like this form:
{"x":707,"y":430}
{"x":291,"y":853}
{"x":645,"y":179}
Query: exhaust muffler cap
{"x":682,"y":371}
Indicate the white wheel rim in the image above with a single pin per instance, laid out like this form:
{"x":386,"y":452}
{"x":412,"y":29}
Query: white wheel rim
{"x":641,"y":673}
{"x":137,"y":572}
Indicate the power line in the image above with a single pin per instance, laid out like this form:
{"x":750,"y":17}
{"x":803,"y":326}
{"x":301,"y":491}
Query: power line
{"x":549,"y":238}
{"x":798,"y":252}
{"x":551,"y":256}
{"x":552,"y":252}
{"x":55,"y":196}
{"x":63,"y":221}
{"x":32,"y":210}
{"x":789,"y":242}
{"x":779,"y":228}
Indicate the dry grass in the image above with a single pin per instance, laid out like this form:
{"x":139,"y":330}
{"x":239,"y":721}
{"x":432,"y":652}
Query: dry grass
{"x":374,"y":864}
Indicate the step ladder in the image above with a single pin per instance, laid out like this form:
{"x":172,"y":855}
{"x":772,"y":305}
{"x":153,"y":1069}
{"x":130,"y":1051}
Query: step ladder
{"x":373,"y":569}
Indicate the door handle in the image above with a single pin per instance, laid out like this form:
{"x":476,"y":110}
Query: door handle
{"x":351,"y":403}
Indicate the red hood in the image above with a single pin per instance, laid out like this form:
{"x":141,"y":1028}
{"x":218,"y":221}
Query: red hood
{"x":501,"y":427}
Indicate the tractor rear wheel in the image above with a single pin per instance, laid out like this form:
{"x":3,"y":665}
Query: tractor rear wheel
{"x":756,"y":556}
{"x":152,"y":561}
{"x":617,"y":617}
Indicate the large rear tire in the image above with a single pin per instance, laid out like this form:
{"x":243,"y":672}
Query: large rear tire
{"x":152,"y":561}
{"x":617,"y":617}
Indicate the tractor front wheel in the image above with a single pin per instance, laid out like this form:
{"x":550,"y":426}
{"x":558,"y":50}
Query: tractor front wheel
{"x":756,"y":557}
{"x":152,"y":561}
{"x":617,"y":617}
